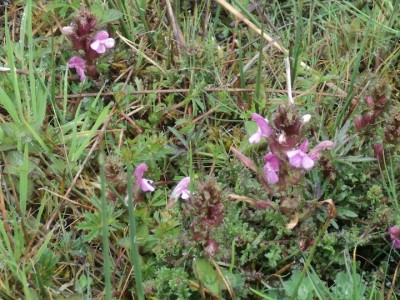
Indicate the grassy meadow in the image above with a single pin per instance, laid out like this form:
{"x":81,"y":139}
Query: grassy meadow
{"x":200,"y":149}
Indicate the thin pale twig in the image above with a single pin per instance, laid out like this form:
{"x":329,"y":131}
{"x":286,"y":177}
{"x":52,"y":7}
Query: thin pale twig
{"x":289,"y":81}
{"x":179,"y":38}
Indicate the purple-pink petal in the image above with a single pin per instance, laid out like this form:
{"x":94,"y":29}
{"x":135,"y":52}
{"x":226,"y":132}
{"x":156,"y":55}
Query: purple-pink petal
{"x":304,"y":146}
{"x":181,"y":190}
{"x":79,"y":65}
{"x":300,"y":159}
{"x":256,"y":137}
{"x":139,"y":171}
{"x":262,"y":124}
{"x":271,"y":168}
{"x":396,"y":244}
{"x":102,"y":41}
{"x":146,"y":185}
{"x":143,"y":183}
{"x":306,"y":162}
{"x":273,"y":161}
{"x":272,"y":177}
{"x":294,"y":158}
{"x":314,"y":153}
{"x":394,"y":233}
{"x":101,"y":35}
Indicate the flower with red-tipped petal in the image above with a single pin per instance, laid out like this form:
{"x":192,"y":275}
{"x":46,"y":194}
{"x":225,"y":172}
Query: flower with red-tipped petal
{"x":102,"y":41}
{"x":144,"y":184}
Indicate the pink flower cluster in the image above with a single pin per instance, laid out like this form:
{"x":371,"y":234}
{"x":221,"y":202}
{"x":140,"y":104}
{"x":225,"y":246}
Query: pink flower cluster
{"x":99,"y":44}
{"x":81,"y":35}
{"x":282,"y":145}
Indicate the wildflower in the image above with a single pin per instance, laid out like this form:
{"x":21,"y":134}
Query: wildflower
{"x":263,"y":129}
{"x":181,"y":190}
{"x":143,"y":183}
{"x":314,"y":153}
{"x":79,"y":65}
{"x":271,"y":168}
{"x":101,"y":42}
{"x":299,"y":159}
{"x":394,"y":233}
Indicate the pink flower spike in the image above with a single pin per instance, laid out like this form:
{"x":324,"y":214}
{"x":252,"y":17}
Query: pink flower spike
{"x":314,"y":153}
{"x":394,"y":233}
{"x":271,"y":168}
{"x":263,"y":129}
{"x":299,"y":159}
{"x":79,"y":65}
{"x":181,"y":190}
{"x":101,"y":42}
{"x":143,"y":183}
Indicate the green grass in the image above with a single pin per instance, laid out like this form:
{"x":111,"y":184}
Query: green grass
{"x":177,"y":92}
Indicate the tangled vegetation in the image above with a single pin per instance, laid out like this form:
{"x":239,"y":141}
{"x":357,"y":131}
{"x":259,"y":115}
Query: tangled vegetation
{"x":199,"y":149}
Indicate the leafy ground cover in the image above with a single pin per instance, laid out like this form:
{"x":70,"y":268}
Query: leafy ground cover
{"x":199,"y":149}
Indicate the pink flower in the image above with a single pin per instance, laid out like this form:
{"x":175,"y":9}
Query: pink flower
{"x":101,"y":42}
{"x":300,"y":159}
{"x":263,"y":129}
{"x":394,"y":233}
{"x":314,"y":153}
{"x":144,"y":184}
{"x":271,"y":168}
{"x":79,"y":65}
{"x":181,"y":190}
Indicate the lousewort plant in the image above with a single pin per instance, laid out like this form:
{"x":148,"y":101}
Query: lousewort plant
{"x":86,"y":37}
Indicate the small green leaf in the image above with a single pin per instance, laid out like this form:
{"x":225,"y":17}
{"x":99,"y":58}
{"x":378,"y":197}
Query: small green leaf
{"x":207,"y":275}
{"x":110,"y":15}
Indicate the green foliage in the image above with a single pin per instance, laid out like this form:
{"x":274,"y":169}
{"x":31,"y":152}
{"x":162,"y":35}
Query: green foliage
{"x":168,"y":97}
{"x":92,"y":224}
{"x":170,"y":283}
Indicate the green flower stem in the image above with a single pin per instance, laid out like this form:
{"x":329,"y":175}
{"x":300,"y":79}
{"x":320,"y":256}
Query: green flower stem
{"x":104,"y":225}
{"x":134,"y":255}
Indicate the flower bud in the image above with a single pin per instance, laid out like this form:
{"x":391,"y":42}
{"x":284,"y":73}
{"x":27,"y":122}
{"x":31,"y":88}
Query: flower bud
{"x":379,"y":152}
{"x":306,"y":118}
{"x":67,"y":30}
{"x":359,"y":123}
{"x":370,"y":101}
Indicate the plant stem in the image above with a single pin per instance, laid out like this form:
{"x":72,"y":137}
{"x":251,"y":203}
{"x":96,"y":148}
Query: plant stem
{"x":134,"y":255}
{"x":104,"y":227}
